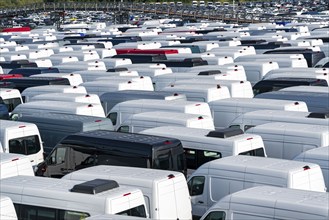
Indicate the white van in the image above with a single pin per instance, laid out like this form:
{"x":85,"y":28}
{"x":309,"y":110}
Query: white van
{"x":21,"y":138}
{"x":74,"y":79}
{"x":203,"y":145}
{"x":162,"y":81}
{"x":224,"y":111}
{"x":11,"y":98}
{"x":297,"y":71}
{"x":145,"y":120}
{"x":68,"y":97}
{"x":240,"y":172}
{"x":165,"y":192}
{"x":71,"y":199}
{"x":37,"y":90}
{"x":287,"y":140}
{"x":254,"y":118}
{"x":200,"y":93}
{"x":255,"y":71}
{"x":319,"y":156}
{"x":268,"y":202}
{"x":237,"y":88}
{"x":7,"y":209}
{"x":14,"y":165}
{"x":123,"y":110}
{"x":92,"y":75}
{"x":100,"y":87}
{"x":77,"y":108}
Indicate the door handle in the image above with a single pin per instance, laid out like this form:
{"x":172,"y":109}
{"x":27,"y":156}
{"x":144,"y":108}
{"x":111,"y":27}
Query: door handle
{"x":200,"y":202}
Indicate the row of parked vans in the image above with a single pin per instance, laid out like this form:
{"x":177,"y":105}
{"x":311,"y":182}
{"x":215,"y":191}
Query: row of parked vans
{"x":116,"y":127}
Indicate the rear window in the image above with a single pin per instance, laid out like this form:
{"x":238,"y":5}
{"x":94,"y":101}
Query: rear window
{"x":259,"y":152}
{"x":25,"y":145}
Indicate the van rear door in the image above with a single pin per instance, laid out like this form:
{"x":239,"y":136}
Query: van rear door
{"x":308,"y":178}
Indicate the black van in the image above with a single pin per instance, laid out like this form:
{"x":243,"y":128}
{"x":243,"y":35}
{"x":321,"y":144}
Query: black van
{"x":102,"y":147}
{"x":275,"y":84}
{"x":28,"y":71}
{"x":26,"y":82}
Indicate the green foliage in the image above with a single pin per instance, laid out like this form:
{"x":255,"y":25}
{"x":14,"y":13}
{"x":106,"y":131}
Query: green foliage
{"x":17,"y":3}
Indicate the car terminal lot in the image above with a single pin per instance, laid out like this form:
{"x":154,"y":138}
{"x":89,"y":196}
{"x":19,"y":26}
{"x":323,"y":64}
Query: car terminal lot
{"x":198,"y":81}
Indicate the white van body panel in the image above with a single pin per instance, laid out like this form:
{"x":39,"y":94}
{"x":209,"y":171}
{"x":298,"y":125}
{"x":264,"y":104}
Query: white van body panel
{"x":203,"y":93}
{"x":254,"y":118}
{"x":255,"y":71}
{"x":59,"y":107}
{"x":319,"y":156}
{"x":74,"y":79}
{"x":35,"y":190}
{"x":14,"y":165}
{"x":7,"y":209}
{"x":316,"y":89}
{"x":122,"y":111}
{"x":237,"y":88}
{"x":102,"y":86}
{"x":165,"y":192}
{"x":236,"y":173}
{"x":268,"y":202}
{"x":287,"y":140}
{"x":92,"y":75}
{"x":37,"y":90}
{"x":146,"y":120}
{"x":224,"y":111}
{"x":68,"y":97}
{"x":14,"y":137}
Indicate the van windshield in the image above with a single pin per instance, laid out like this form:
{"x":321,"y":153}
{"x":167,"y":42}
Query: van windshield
{"x":25,"y":145}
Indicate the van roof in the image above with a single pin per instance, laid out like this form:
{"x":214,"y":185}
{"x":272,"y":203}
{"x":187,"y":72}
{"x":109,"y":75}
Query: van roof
{"x":8,"y":125}
{"x":284,"y":199}
{"x":101,"y":138}
{"x":199,"y":135}
{"x":262,"y":165}
{"x":259,"y":102}
{"x":165,"y":105}
{"x":126,"y":175}
{"x":319,"y":153}
{"x":6,"y":157}
{"x":293,"y":129}
{"x":57,"y":189}
{"x":170,"y":117}
{"x":64,"y":119}
{"x":68,"y":97}
{"x":57,"y":88}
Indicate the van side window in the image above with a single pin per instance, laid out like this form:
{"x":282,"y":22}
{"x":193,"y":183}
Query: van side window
{"x":138,"y":211}
{"x":216,"y":215}
{"x":113,"y":117}
{"x":196,"y":185}
{"x":163,"y":161}
{"x":234,"y":126}
{"x":259,"y":152}
{"x":246,"y":127}
{"x":124,"y":129}
{"x":60,"y":155}
{"x":195,"y":158}
{"x":27,"y":212}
